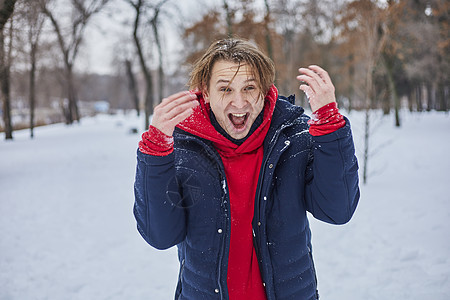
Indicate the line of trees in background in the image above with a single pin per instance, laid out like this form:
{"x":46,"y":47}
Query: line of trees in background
{"x":23,"y":31}
{"x":380,"y":54}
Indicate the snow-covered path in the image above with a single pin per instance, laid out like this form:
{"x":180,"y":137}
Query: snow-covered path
{"x":66,"y":222}
{"x":67,"y":229}
{"x":397,"y":246}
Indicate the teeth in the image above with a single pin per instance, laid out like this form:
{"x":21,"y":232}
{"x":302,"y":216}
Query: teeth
{"x":238,"y":115}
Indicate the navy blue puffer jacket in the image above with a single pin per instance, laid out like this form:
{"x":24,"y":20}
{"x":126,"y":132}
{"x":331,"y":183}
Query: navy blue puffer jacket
{"x":182,"y":199}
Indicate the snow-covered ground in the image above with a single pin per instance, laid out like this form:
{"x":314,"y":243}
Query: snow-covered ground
{"x":68,"y":232}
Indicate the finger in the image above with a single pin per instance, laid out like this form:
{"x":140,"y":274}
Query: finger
{"x":313,"y":102}
{"x":322,"y":73}
{"x":175,"y":100}
{"x":312,"y":82}
{"x":180,"y":109}
{"x":181,"y":116}
{"x":307,"y":90}
{"x":176,"y":96}
{"x":312,"y":74}
{"x":166,"y":110}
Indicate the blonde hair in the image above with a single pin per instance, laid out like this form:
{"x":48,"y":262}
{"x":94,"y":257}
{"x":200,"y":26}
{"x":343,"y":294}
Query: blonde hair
{"x":238,"y":51}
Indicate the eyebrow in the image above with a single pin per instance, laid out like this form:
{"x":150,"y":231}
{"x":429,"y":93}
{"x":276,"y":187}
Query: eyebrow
{"x":228,"y":81}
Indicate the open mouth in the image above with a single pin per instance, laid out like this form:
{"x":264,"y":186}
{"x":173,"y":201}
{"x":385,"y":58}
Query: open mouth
{"x":238,"y":120}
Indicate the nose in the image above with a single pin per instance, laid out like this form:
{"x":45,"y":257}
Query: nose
{"x":239,"y":101}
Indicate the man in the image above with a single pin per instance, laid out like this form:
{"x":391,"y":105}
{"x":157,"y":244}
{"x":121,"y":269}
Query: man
{"x":228,"y":171}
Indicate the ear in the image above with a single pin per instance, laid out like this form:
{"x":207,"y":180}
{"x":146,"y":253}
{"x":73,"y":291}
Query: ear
{"x":205,"y":95}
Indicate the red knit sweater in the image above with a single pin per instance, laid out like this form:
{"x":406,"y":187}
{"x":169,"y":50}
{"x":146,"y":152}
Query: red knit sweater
{"x":242,"y":165}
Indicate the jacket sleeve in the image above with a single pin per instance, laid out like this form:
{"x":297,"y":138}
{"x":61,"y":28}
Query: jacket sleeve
{"x":332,"y":191}
{"x":160,"y":220}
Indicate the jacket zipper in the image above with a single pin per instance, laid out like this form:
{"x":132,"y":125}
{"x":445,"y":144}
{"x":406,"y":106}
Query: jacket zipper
{"x":263,"y":171}
{"x":258,"y":199}
{"x":222,"y":250}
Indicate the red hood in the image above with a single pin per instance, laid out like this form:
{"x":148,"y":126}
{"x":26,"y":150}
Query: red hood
{"x":199,"y":124}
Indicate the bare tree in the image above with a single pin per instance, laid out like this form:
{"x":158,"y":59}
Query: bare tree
{"x":34,"y":19}
{"x":229,"y":17}
{"x":364,"y":19}
{"x":267,"y":22}
{"x":155,"y":22}
{"x":391,"y":52}
{"x":70,"y":42}
{"x":6,"y":11}
{"x":286,"y":22}
{"x":139,"y":7}
{"x":132,"y":87}
{"x":142,"y":10}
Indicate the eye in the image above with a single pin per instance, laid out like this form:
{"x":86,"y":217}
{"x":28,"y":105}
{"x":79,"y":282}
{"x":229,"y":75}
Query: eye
{"x":225,"y":89}
{"x":250,"y":88}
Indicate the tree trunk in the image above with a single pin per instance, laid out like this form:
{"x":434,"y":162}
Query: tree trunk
{"x":393,"y":91}
{"x":160,"y":82}
{"x":351,"y":71}
{"x":132,"y":86}
{"x":366,"y":144}
{"x":411,"y":96}
{"x":5,"y":93}
{"x":148,"y":101}
{"x":419,"y":97}
{"x":368,"y":92}
{"x":229,"y":18}
{"x":397,"y":109}
{"x":154,"y":23}
{"x":6,"y":11}
{"x":386,"y":104}
{"x":32,"y":95}
{"x":266,"y":25}
{"x":443,"y":97}
{"x":72,"y":96}
{"x":147,"y":73}
{"x":35,"y":21}
{"x":368,"y":96}
{"x":434,"y":91}
{"x":429,"y":97}
{"x":69,"y":113}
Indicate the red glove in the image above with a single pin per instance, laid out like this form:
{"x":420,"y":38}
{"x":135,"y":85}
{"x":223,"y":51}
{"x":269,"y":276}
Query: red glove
{"x":155,"y":142}
{"x":325,"y":120}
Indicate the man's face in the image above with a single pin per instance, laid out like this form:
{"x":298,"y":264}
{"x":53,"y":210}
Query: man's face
{"x":234,"y":97}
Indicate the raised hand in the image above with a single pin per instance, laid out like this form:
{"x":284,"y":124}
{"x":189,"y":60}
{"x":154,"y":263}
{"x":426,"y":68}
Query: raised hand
{"x":173,"y":110}
{"x":317,"y":86}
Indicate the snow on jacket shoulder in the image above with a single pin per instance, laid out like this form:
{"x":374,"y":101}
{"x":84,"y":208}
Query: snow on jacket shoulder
{"x":182,"y":199}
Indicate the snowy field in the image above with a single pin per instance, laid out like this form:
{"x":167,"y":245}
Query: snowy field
{"x":68,"y":232}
